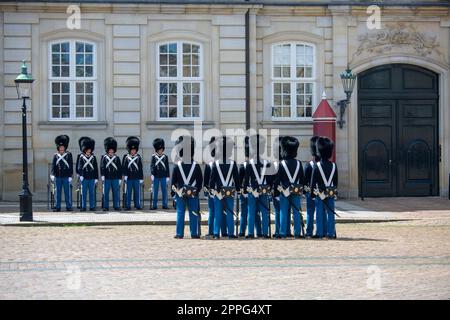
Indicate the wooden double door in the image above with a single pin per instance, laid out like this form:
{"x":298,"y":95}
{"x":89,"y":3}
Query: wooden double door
{"x":398,"y":146}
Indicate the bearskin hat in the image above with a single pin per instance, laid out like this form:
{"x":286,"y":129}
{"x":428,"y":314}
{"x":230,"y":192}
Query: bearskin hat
{"x":158,"y":144}
{"x":80,"y":142}
{"x":133,"y":143}
{"x":225,"y":147}
{"x":246,"y":146}
{"x":289,"y":146}
{"x":324,"y":147}
{"x":62,"y":140}
{"x":110,"y":143}
{"x":312,"y":146}
{"x":87,"y":143}
{"x":212,"y":146}
{"x":257,"y":145}
{"x":185,"y":142}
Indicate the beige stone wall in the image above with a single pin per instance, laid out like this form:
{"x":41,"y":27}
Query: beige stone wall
{"x":127,"y":37}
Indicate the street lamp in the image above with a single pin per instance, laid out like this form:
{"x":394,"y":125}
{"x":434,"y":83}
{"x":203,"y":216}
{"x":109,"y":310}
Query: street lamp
{"x":348,"y":82}
{"x":23,"y":85}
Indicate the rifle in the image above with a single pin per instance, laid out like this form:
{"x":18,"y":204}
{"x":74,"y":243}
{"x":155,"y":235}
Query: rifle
{"x":326,"y":205}
{"x":151,"y":194}
{"x":79,"y":193}
{"x":237,"y":212}
{"x":95,"y":194}
{"x":103,"y":195}
{"x":49,"y":206}
{"x":124,"y":194}
{"x":270,"y":219}
{"x":266,"y":208}
{"x":52,"y":194}
{"x":299,"y":212}
{"x":142,"y":196}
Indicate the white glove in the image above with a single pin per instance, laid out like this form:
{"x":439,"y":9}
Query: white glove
{"x":125,"y":178}
{"x":95,"y":181}
{"x":322,"y":196}
{"x":141,"y":181}
{"x":167,"y":179}
{"x":277,"y":198}
{"x":103,"y":178}
{"x":70,"y":179}
{"x":81,"y":178}
{"x":219,"y":195}
{"x":286,"y":193}
{"x":245,"y":195}
{"x":152,"y":177}
{"x":52,"y":177}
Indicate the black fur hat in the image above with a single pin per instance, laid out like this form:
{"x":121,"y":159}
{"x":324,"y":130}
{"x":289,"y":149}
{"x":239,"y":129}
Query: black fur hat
{"x":185,"y":142}
{"x":225,"y":146}
{"x":324,"y":147}
{"x":312,"y":146}
{"x":80,"y":142}
{"x":257,"y":144}
{"x":289,"y":146}
{"x":110,"y":143}
{"x":133,"y":143}
{"x":62,"y":140}
{"x":88,"y":143}
{"x":212,"y":146}
{"x":247,"y":146}
{"x":158,"y":144}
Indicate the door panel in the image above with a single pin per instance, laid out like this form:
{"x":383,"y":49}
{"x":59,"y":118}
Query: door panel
{"x":398,"y":131}
{"x":417,"y":138}
{"x":376,"y":147}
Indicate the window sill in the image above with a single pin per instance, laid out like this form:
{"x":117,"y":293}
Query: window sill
{"x":174,"y":124}
{"x":282,"y":124}
{"x":91,"y":125}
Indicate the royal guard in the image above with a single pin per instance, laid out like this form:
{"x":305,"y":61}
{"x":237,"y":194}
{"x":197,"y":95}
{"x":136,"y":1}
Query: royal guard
{"x":225,"y":183}
{"x":132,"y":170}
{"x":276,"y":152}
{"x":206,"y":189}
{"x":111,"y":173}
{"x":310,"y":203}
{"x":258,"y":183}
{"x":62,"y":171}
{"x":324,"y":183}
{"x":290,"y":183}
{"x":159,"y":168}
{"x":187,"y":180}
{"x":88,"y":171}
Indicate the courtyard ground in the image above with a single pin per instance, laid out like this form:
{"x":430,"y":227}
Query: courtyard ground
{"x":406,"y":255}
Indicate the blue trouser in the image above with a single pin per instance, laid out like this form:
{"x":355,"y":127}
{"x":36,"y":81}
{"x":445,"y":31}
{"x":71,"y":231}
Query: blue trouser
{"x":310,"y":208}
{"x":256,"y":205}
{"x":134,"y":185}
{"x":88,"y":184}
{"x":211,"y":215}
{"x":325,"y":218}
{"x":244,"y":215}
{"x":276,"y":206}
{"x":220,"y":211}
{"x":192,"y":204}
{"x":285,"y":206}
{"x":111,"y":184}
{"x":156,"y":183}
{"x":60,"y":184}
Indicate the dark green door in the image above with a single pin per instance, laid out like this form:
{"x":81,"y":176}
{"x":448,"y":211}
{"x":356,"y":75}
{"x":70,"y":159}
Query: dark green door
{"x":398,"y":150}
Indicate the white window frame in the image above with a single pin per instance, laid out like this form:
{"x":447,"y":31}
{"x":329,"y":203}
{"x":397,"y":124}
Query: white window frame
{"x":293,"y":80}
{"x":72,"y":79}
{"x":179,"y":80}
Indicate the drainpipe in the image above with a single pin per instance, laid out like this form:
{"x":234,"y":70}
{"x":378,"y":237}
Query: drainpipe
{"x":247,"y":70}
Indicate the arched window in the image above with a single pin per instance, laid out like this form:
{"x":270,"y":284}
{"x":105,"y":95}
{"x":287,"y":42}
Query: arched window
{"x":179,"y":81}
{"x":293,"y":80}
{"x":72,"y":80}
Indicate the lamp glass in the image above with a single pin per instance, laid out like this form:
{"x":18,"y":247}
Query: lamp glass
{"x":23,"y":89}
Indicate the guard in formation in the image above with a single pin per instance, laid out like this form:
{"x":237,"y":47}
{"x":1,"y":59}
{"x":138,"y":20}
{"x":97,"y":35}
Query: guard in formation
{"x":251,"y":187}
{"x":62,"y":172}
{"x":160,"y":173}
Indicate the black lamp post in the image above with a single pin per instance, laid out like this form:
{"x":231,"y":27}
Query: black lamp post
{"x":348,"y":82}
{"x":23,"y":86}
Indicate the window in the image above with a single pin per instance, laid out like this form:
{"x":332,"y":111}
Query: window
{"x":72,"y":80}
{"x":180,"y":81}
{"x":293,"y":80}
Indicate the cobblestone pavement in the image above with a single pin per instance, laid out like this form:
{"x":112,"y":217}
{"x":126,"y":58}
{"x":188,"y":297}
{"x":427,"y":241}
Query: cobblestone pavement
{"x":407,"y":259}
